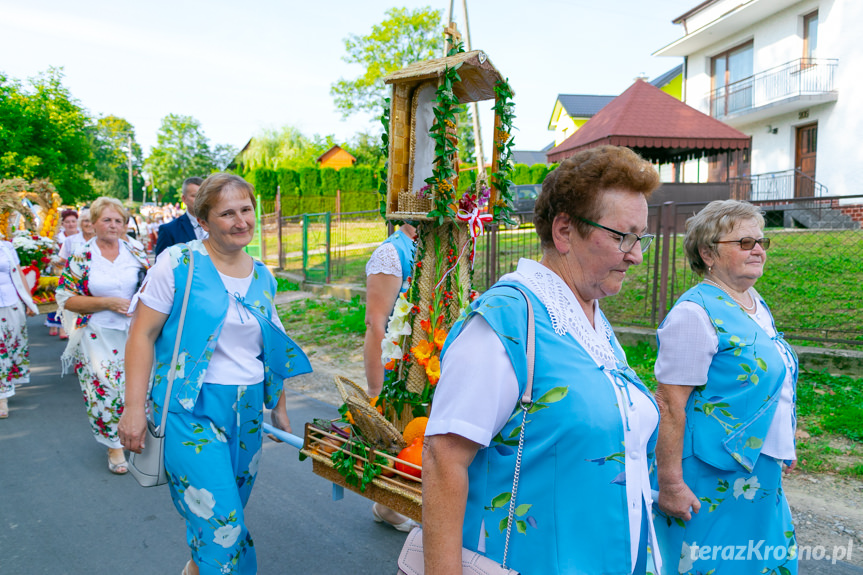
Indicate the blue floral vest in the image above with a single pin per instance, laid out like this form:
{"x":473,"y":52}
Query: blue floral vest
{"x":728,"y":418}
{"x":571,"y":514}
{"x":406,"y":248}
{"x":205,"y":315}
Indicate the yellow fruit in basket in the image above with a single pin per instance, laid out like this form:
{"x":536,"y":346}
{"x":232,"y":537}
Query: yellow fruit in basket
{"x":415,"y":428}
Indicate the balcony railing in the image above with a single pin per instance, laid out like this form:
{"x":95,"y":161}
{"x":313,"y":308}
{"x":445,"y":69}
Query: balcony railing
{"x":803,"y":77}
{"x":776,"y":186}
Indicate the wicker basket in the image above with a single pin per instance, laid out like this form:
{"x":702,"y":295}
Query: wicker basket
{"x":410,"y":203}
{"x":401,"y":493}
{"x":377,"y":429}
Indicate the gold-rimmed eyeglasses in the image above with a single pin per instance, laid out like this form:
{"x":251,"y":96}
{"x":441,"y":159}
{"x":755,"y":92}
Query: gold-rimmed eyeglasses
{"x":627,"y":239}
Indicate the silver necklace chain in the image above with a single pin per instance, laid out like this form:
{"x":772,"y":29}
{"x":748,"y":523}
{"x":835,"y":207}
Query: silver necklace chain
{"x":748,"y":309}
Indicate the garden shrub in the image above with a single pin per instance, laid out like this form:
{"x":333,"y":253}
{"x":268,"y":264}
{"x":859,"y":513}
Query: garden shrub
{"x":466,"y":178}
{"x":310,"y":182}
{"x":329,"y":182}
{"x":289,"y":181}
{"x":538,"y":172}
{"x":265,"y":182}
{"x":521,"y":175}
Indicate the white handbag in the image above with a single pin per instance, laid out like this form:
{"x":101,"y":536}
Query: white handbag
{"x":148,"y":467}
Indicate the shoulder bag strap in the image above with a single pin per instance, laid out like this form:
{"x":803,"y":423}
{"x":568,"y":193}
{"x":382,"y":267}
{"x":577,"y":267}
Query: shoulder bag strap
{"x":525,"y":403}
{"x":172,"y":369}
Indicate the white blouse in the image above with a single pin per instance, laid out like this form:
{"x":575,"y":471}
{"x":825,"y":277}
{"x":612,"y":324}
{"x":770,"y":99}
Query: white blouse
{"x":70,"y":244}
{"x":113,"y":279}
{"x":479,"y":397}
{"x":688,"y":345}
{"x":235,"y":359}
{"x":8,"y":293}
{"x":385,"y":260}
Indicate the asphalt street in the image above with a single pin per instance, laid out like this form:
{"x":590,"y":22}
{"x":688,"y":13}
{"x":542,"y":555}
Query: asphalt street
{"x":63,"y":512}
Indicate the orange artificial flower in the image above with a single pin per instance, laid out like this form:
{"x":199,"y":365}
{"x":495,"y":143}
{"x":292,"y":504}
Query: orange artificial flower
{"x":423,"y":351}
{"x":391,"y":365}
{"x":439,"y":338}
{"x":426,"y":325}
{"x":433,"y":370}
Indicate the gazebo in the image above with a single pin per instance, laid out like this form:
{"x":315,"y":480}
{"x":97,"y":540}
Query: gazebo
{"x":657,"y":126}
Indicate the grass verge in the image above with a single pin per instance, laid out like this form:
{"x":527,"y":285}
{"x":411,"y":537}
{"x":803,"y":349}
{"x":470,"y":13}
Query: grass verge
{"x":829,"y":415}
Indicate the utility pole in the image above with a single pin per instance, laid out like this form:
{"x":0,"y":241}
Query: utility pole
{"x":129,"y":142}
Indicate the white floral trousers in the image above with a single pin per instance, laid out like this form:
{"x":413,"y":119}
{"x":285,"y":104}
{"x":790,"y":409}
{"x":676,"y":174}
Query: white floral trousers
{"x":14,"y":351}
{"x":212,"y":456}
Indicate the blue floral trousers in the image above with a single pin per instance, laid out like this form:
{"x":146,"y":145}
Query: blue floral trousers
{"x":211,"y":456}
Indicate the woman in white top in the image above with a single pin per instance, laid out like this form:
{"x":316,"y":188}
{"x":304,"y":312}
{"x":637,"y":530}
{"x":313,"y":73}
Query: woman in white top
{"x":233,"y":357}
{"x":69,"y":221}
{"x":73,"y":242}
{"x":93,"y":297}
{"x":583,"y":500}
{"x":15,"y":302}
{"x":727,"y":383}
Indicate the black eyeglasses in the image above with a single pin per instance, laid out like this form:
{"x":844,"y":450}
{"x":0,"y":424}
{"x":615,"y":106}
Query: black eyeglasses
{"x":627,"y":239}
{"x":749,"y":243}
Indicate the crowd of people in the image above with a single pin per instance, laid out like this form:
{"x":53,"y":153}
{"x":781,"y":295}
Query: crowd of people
{"x":607,"y":477}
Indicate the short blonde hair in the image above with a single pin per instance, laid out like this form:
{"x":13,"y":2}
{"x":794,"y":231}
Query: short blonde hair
{"x":103,"y":203}
{"x":715,"y":220}
{"x":212,"y":188}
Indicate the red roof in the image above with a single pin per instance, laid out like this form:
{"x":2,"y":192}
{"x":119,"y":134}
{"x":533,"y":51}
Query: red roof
{"x":658,"y":126}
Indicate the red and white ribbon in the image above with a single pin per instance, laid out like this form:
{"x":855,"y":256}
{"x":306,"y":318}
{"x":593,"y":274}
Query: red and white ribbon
{"x":476,"y":225}
{"x":475,"y":221}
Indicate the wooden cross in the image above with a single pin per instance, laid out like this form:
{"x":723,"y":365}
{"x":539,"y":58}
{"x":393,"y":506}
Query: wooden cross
{"x":453,"y":36}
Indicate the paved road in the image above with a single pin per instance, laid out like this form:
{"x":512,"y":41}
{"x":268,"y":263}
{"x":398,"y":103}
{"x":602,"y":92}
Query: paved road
{"x":62,"y":512}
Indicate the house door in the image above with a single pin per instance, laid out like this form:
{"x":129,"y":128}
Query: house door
{"x":807,"y":143}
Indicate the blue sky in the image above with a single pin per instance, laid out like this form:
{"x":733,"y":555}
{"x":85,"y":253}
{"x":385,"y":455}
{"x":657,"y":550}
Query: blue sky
{"x":239,"y":67}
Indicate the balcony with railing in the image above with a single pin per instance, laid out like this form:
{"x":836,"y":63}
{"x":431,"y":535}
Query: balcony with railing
{"x":790,"y":87}
{"x":776,"y":186}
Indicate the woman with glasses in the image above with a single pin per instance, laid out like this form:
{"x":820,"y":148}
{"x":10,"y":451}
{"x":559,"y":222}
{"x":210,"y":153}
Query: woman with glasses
{"x":727,"y":383}
{"x":584,"y":496}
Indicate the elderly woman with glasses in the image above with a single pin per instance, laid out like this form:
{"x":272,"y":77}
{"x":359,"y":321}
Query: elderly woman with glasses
{"x":727,"y":383}
{"x":584,"y":496}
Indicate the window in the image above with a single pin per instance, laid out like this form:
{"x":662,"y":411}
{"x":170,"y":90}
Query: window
{"x":810,"y":37}
{"x":731,"y":74}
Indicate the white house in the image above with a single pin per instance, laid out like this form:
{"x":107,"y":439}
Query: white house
{"x":789,"y":73}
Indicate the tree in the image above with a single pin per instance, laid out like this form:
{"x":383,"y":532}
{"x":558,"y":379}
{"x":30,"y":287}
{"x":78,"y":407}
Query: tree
{"x":366,"y":148}
{"x":286,"y":148}
{"x":223,"y":155}
{"x":111,"y":138}
{"x":45,"y":133}
{"x":403,"y":38}
{"x":182,"y":150}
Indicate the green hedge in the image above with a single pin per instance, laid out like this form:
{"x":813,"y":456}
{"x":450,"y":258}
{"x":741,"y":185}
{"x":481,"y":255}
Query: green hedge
{"x":350,"y":202}
{"x":521,"y":175}
{"x":310,"y":182}
{"x":329,"y":182}
{"x":313,"y":190}
{"x":289,"y":180}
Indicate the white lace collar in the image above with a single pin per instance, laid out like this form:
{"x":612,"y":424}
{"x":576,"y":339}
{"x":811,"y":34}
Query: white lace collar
{"x":565,"y":312}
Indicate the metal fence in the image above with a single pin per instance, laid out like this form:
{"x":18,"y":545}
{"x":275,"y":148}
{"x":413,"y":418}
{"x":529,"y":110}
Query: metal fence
{"x":813,"y":279}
